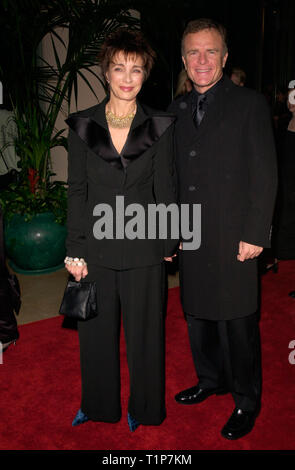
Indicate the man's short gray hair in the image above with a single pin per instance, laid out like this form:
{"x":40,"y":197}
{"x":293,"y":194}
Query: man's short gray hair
{"x":201,"y":24}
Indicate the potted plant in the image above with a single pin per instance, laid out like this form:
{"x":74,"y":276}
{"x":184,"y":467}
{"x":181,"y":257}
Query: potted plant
{"x":35,"y":205}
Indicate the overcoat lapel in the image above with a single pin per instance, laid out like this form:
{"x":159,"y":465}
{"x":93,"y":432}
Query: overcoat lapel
{"x":212,"y":117}
{"x":145,"y":130}
{"x":187,"y":124}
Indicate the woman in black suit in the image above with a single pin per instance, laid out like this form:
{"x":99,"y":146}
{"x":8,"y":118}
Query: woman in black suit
{"x":120,"y":153}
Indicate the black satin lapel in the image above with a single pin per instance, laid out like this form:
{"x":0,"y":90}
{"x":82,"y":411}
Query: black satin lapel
{"x":145,"y":132}
{"x":96,"y":138}
{"x":144,"y":136}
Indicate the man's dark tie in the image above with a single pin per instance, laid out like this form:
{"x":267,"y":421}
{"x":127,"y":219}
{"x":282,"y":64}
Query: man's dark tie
{"x":200,"y":110}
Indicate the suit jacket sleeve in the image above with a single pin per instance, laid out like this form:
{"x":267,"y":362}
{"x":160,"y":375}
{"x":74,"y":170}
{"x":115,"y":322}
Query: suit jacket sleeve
{"x":262,"y":175}
{"x":165,"y":182}
{"x":77,"y":196}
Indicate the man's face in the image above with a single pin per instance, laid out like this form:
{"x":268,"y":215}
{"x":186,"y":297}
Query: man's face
{"x":204,"y":58}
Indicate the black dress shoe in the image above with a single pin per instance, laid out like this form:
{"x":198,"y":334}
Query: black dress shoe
{"x":195,"y":394}
{"x":239,"y":424}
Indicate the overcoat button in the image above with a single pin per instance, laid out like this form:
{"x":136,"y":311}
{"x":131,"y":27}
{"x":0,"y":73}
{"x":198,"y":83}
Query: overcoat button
{"x":193,"y":153}
{"x":192,"y":188}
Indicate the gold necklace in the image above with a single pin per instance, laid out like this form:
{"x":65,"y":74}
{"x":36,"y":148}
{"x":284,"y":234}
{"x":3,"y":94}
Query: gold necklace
{"x":119,"y":122}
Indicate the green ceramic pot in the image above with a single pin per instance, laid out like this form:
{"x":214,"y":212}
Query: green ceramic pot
{"x":37,"y":246}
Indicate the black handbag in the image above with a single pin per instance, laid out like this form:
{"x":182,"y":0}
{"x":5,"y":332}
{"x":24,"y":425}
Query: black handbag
{"x":79,"y":300}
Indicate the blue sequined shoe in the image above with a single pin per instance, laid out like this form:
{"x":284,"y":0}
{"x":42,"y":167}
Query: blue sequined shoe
{"x":132,"y":423}
{"x":80,"y":418}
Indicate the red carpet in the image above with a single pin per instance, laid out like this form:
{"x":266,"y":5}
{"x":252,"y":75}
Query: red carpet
{"x":40,"y":388}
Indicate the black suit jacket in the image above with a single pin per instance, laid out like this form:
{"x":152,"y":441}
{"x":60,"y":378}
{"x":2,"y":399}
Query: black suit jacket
{"x":228,"y":165}
{"x":143,"y":173}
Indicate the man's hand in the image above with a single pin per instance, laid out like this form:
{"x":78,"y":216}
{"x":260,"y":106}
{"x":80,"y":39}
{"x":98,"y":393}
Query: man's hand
{"x":77,"y":271}
{"x":248,"y":251}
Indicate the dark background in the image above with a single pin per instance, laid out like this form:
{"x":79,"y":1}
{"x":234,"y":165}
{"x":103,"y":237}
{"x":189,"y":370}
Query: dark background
{"x":261,"y":40}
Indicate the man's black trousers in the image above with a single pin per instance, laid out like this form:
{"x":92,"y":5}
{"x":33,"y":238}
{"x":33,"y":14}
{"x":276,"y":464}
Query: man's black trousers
{"x":227,"y":354}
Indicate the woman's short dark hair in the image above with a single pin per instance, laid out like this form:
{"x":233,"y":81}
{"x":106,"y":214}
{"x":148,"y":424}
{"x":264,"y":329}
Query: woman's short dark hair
{"x":130,"y":43}
{"x":200,"y":25}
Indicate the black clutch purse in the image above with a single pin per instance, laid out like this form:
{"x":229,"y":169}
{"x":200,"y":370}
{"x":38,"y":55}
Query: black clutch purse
{"x":79,"y":300}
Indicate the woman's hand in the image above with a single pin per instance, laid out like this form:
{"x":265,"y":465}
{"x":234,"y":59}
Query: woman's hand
{"x":170,"y":258}
{"x":78,"y":272}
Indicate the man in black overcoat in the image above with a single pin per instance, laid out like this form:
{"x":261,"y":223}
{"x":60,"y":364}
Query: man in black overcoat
{"x":226,"y":162}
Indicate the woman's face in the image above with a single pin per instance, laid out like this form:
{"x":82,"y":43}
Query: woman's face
{"x":125,"y":76}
